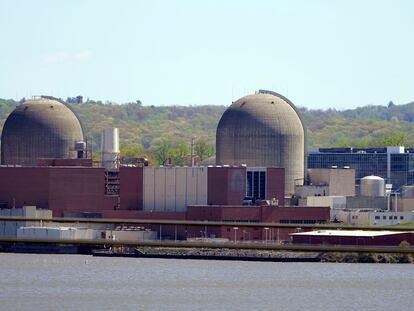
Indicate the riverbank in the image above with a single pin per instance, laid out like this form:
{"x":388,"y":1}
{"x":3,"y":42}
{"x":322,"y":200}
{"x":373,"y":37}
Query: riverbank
{"x":260,"y":255}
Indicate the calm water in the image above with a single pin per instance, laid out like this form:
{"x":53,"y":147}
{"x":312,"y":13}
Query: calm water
{"x":72,"y":282}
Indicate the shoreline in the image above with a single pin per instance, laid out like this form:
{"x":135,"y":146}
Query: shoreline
{"x":265,"y":256}
{"x":225,"y":254}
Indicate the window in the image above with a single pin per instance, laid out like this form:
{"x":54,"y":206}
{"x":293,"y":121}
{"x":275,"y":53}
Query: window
{"x":256,"y":185}
{"x":377,"y":217}
{"x":395,"y":217}
{"x":401,"y":217}
{"x":384,"y":217}
{"x":390,"y":217}
{"x":249,"y":191}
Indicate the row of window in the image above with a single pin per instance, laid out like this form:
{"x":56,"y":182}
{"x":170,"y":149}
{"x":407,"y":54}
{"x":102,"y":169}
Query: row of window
{"x":389,"y":217}
{"x":299,"y":221}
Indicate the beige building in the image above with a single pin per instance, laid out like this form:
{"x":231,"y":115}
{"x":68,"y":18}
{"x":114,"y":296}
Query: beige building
{"x":340,"y":182}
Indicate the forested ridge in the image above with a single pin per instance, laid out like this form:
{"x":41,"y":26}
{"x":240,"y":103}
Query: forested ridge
{"x":159,"y":132}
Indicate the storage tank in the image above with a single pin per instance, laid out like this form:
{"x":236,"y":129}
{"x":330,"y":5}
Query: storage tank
{"x":110,"y":148}
{"x":39,"y":128}
{"x":263,"y":130}
{"x":372,"y":186}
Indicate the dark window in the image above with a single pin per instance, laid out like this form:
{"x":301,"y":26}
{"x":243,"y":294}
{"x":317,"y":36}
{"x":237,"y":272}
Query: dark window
{"x":249,"y":189}
{"x":377,"y":217}
{"x":262,"y":188}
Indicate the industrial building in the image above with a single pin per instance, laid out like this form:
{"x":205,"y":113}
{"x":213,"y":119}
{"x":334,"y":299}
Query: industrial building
{"x":263,"y":130}
{"x":76,"y":190}
{"x":394,"y":164}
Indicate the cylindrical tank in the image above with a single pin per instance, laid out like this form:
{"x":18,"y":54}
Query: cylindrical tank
{"x":110,"y":147}
{"x":372,"y":186}
{"x":263,"y":130}
{"x":39,"y":128}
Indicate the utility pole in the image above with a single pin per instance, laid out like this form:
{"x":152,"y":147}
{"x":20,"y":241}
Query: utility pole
{"x":192,"y":151}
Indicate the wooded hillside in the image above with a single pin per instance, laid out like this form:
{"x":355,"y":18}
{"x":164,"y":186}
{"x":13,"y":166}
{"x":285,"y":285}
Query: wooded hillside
{"x":147,"y":130}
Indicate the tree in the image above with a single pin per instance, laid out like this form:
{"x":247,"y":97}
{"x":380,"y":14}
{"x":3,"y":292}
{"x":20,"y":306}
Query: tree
{"x":391,"y":104}
{"x":161,"y":150}
{"x":137,"y":151}
{"x":396,"y":138}
{"x":180,"y":153}
{"x":203,"y":149}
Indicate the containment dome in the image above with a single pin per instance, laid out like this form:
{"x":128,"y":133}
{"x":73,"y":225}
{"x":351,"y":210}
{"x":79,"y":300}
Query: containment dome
{"x":39,"y":128}
{"x":264,"y":130}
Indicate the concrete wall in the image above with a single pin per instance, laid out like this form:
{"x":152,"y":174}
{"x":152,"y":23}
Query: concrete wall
{"x":9,"y":228}
{"x":334,"y":202}
{"x":341,"y":182}
{"x":173,"y":188}
{"x":311,"y":191}
{"x":366,"y":203}
{"x":404,"y":205}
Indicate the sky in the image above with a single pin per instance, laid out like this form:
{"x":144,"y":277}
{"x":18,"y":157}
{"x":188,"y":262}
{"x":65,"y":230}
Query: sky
{"x":319,"y":54}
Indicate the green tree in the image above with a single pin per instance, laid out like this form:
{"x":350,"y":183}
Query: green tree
{"x":180,"y":153}
{"x":203,"y":149}
{"x":136,"y":151}
{"x":396,"y":138}
{"x":161,"y":150}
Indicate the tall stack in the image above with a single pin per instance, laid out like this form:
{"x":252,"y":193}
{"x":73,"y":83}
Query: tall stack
{"x":110,"y":148}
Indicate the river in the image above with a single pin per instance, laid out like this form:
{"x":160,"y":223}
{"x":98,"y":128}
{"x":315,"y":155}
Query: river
{"x":75,"y":282}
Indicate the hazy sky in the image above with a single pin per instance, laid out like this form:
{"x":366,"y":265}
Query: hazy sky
{"x":320,"y":54}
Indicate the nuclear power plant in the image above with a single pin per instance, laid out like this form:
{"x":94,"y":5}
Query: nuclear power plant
{"x":260,"y":174}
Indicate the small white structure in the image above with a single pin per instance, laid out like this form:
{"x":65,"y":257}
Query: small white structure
{"x":110,"y":148}
{"x":56,"y":233}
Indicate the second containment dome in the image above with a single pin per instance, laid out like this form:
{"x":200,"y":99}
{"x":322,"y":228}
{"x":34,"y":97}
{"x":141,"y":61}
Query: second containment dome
{"x":263,"y":130}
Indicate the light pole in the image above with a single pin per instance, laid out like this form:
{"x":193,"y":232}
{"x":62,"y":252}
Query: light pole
{"x":266,"y":230}
{"x":235,"y":233}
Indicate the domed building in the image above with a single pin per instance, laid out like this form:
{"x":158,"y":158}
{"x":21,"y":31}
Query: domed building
{"x":263,"y":130}
{"x":39,"y":128}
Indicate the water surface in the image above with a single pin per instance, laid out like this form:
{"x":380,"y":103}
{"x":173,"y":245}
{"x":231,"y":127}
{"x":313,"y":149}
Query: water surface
{"x":74,"y":282}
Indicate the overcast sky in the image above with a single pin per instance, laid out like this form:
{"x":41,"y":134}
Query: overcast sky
{"x":320,"y":54}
